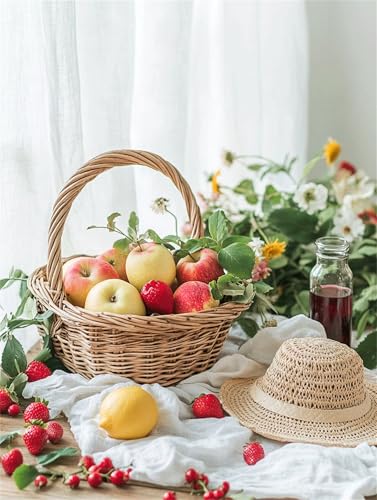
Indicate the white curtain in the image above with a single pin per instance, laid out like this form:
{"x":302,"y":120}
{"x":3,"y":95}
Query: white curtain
{"x":183,"y":78}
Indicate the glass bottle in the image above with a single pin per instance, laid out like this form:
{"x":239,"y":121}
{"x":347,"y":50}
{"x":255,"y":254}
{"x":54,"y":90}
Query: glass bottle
{"x":331,"y":288}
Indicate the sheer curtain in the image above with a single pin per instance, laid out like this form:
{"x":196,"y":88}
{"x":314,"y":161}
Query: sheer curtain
{"x":183,"y":78}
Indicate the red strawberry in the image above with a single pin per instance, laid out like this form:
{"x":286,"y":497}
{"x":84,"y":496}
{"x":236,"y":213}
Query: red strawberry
{"x":37,"y":370}
{"x":14,"y":410}
{"x":35,"y":438}
{"x":11,"y":460}
{"x":253,"y":452}
{"x":158,"y":297}
{"x":5,"y":400}
{"x":206,"y":406}
{"x":54,"y":432}
{"x":37,"y":411}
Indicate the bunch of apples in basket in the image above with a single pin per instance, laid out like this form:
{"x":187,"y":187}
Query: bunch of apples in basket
{"x":148,"y":274}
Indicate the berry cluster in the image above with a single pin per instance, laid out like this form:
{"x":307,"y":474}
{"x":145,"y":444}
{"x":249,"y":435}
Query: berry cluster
{"x":104,"y":471}
{"x":199,"y":485}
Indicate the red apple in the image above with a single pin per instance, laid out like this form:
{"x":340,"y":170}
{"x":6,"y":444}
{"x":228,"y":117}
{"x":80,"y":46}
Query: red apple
{"x":200,"y":266}
{"x":81,"y":274}
{"x":193,"y":296}
{"x":117,"y":258}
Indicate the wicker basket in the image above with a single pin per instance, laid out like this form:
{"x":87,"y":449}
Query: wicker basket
{"x":148,"y":349}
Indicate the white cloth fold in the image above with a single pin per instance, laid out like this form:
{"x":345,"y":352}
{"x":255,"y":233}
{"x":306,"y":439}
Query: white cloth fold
{"x":180,"y":441}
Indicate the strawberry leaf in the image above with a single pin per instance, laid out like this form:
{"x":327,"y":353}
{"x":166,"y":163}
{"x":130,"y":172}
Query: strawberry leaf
{"x":13,"y":359}
{"x":24,"y":475}
{"x":48,"y":458}
{"x":9,"y":436}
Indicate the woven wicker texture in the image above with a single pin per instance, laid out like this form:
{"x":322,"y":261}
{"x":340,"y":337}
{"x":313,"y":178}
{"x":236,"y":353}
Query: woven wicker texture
{"x":313,"y":392}
{"x":148,"y":349}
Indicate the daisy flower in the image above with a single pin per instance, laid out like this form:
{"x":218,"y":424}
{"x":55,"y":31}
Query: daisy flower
{"x":160,"y":205}
{"x":331,"y":151}
{"x":273,"y":249}
{"x":311,"y":197}
{"x":348,"y":225}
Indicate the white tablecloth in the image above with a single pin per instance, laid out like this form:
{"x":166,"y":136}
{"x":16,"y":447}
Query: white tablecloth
{"x":211,"y":445}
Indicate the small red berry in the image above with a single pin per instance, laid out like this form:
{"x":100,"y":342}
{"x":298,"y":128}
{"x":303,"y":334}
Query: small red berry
{"x":127,"y":475}
{"x":73,"y":481}
{"x":207,"y":406}
{"x":117,"y":477}
{"x":86,"y":461}
{"x":169,"y":495}
{"x":196,"y":486}
{"x":11,"y":460}
{"x":226,"y":487}
{"x":37,"y":370}
{"x":204,"y":479}
{"x":54,"y":432}
{"x":94,"y":479}
{"x":191,"y":475}
{"x":37,"y":411}
{"x":253,"y":452}
{"x":93,"y":468}
{"x":219,"y":493}
{"x":14,"y":410}
{"x":105,"y":465}
{"x":208,"y":495}
{"x":35,"y":438}
{"x":40,"y":481}
{"x":5,"y":400}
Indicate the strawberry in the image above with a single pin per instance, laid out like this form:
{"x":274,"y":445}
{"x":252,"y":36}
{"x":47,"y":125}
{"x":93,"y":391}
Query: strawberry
{"x":14,"y":410}
{"x":253,"y":452}
{"x":35,"y":438}
{"x":37,"y":370}
{"x":158,"y":297}
{"x":54,"y":432}
{"x":37,"y":411}
{"x":206,"y":406}
{"x":11,"y":460}
{"x":5,"y":400}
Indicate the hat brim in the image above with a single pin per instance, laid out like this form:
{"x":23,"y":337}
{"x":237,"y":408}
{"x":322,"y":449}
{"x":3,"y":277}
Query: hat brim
{"x":235,"y":396}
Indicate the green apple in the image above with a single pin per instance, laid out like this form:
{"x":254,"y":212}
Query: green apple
{"x":115,"y":296}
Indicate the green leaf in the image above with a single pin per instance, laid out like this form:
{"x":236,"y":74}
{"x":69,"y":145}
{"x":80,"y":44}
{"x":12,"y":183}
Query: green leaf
{"x":236,"y":239}
{"x":238,"y":259}
{"x":43,"y":355}
{"x":8,"y":437}
{"x":111,"y":220}
{"x":295,"y":224}
{"x":362,"y":323}
{"x":367,"y":350}
{"x":133,"y":225}
{"x":255,"y":167}
{"x":24,"y":475}
{"x":152,"y":235}
{"x":218,"y":226}
{"x":367,"y":250}
{"x":48,"y":458}
{"x":262,"y":287}
{"x":18,"y":384}
{"x":302,"y":303}
{"x":248,"y":325}
{"x":309,"y":166}
{"x":278,"y":262}
{"x":252,"y":198}
{"x":215,"y":291}
{"x":244,"y":187}
{"x":247,"y":296}
{"x":13,"y":359}
{"x":122,"y":244}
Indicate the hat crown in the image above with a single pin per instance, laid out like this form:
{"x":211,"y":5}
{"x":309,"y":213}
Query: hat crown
{"x":315,"y":373}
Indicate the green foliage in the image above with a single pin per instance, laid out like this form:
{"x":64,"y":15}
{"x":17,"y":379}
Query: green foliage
{"x":295,"y":224}
{"x":51,"y":457}
{"x":8,"y":437}
{"x":24,"y":475}
{"x":367,"y":350}
{"x":238,"y":259}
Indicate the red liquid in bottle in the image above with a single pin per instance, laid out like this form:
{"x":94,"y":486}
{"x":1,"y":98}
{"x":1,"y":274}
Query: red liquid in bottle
{"x":331,"y":305}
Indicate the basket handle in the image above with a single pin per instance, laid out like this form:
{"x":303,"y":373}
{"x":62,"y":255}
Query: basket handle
{"x":88,"y":172}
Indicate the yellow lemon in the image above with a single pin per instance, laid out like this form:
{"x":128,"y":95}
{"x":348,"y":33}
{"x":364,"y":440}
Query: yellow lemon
{"x":128,"y":413}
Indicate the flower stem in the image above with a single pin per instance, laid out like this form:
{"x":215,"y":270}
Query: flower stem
{"x":175,"y":221}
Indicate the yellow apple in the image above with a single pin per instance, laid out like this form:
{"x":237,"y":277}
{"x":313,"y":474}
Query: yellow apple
{"x":115,"y":296}
{"x":117,"y":258}
{"x":81,"y":274}
{"x":150,"y":261}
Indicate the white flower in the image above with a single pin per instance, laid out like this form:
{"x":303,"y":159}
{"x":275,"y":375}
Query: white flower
{"x":160,"y":205}
{"x":348,"y":225}
{"x":311,"y":197}
{"x":256,"y":244}
{"x":353,"y":189}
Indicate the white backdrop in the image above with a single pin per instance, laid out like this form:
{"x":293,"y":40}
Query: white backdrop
{"x":185,"y":79}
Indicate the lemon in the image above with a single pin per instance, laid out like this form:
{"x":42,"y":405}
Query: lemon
{"x":128,"y":413}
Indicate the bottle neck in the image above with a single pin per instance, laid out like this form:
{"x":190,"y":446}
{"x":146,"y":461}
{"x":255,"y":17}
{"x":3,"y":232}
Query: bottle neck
{"x":333,"y":260}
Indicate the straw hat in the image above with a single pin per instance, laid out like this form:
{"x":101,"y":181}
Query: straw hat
{"x":314,"y":391}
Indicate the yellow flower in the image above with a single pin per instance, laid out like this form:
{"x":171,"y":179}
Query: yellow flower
{"x":331,"y":151}
{"x":273,"y":249}
{"x":214,"y":183}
